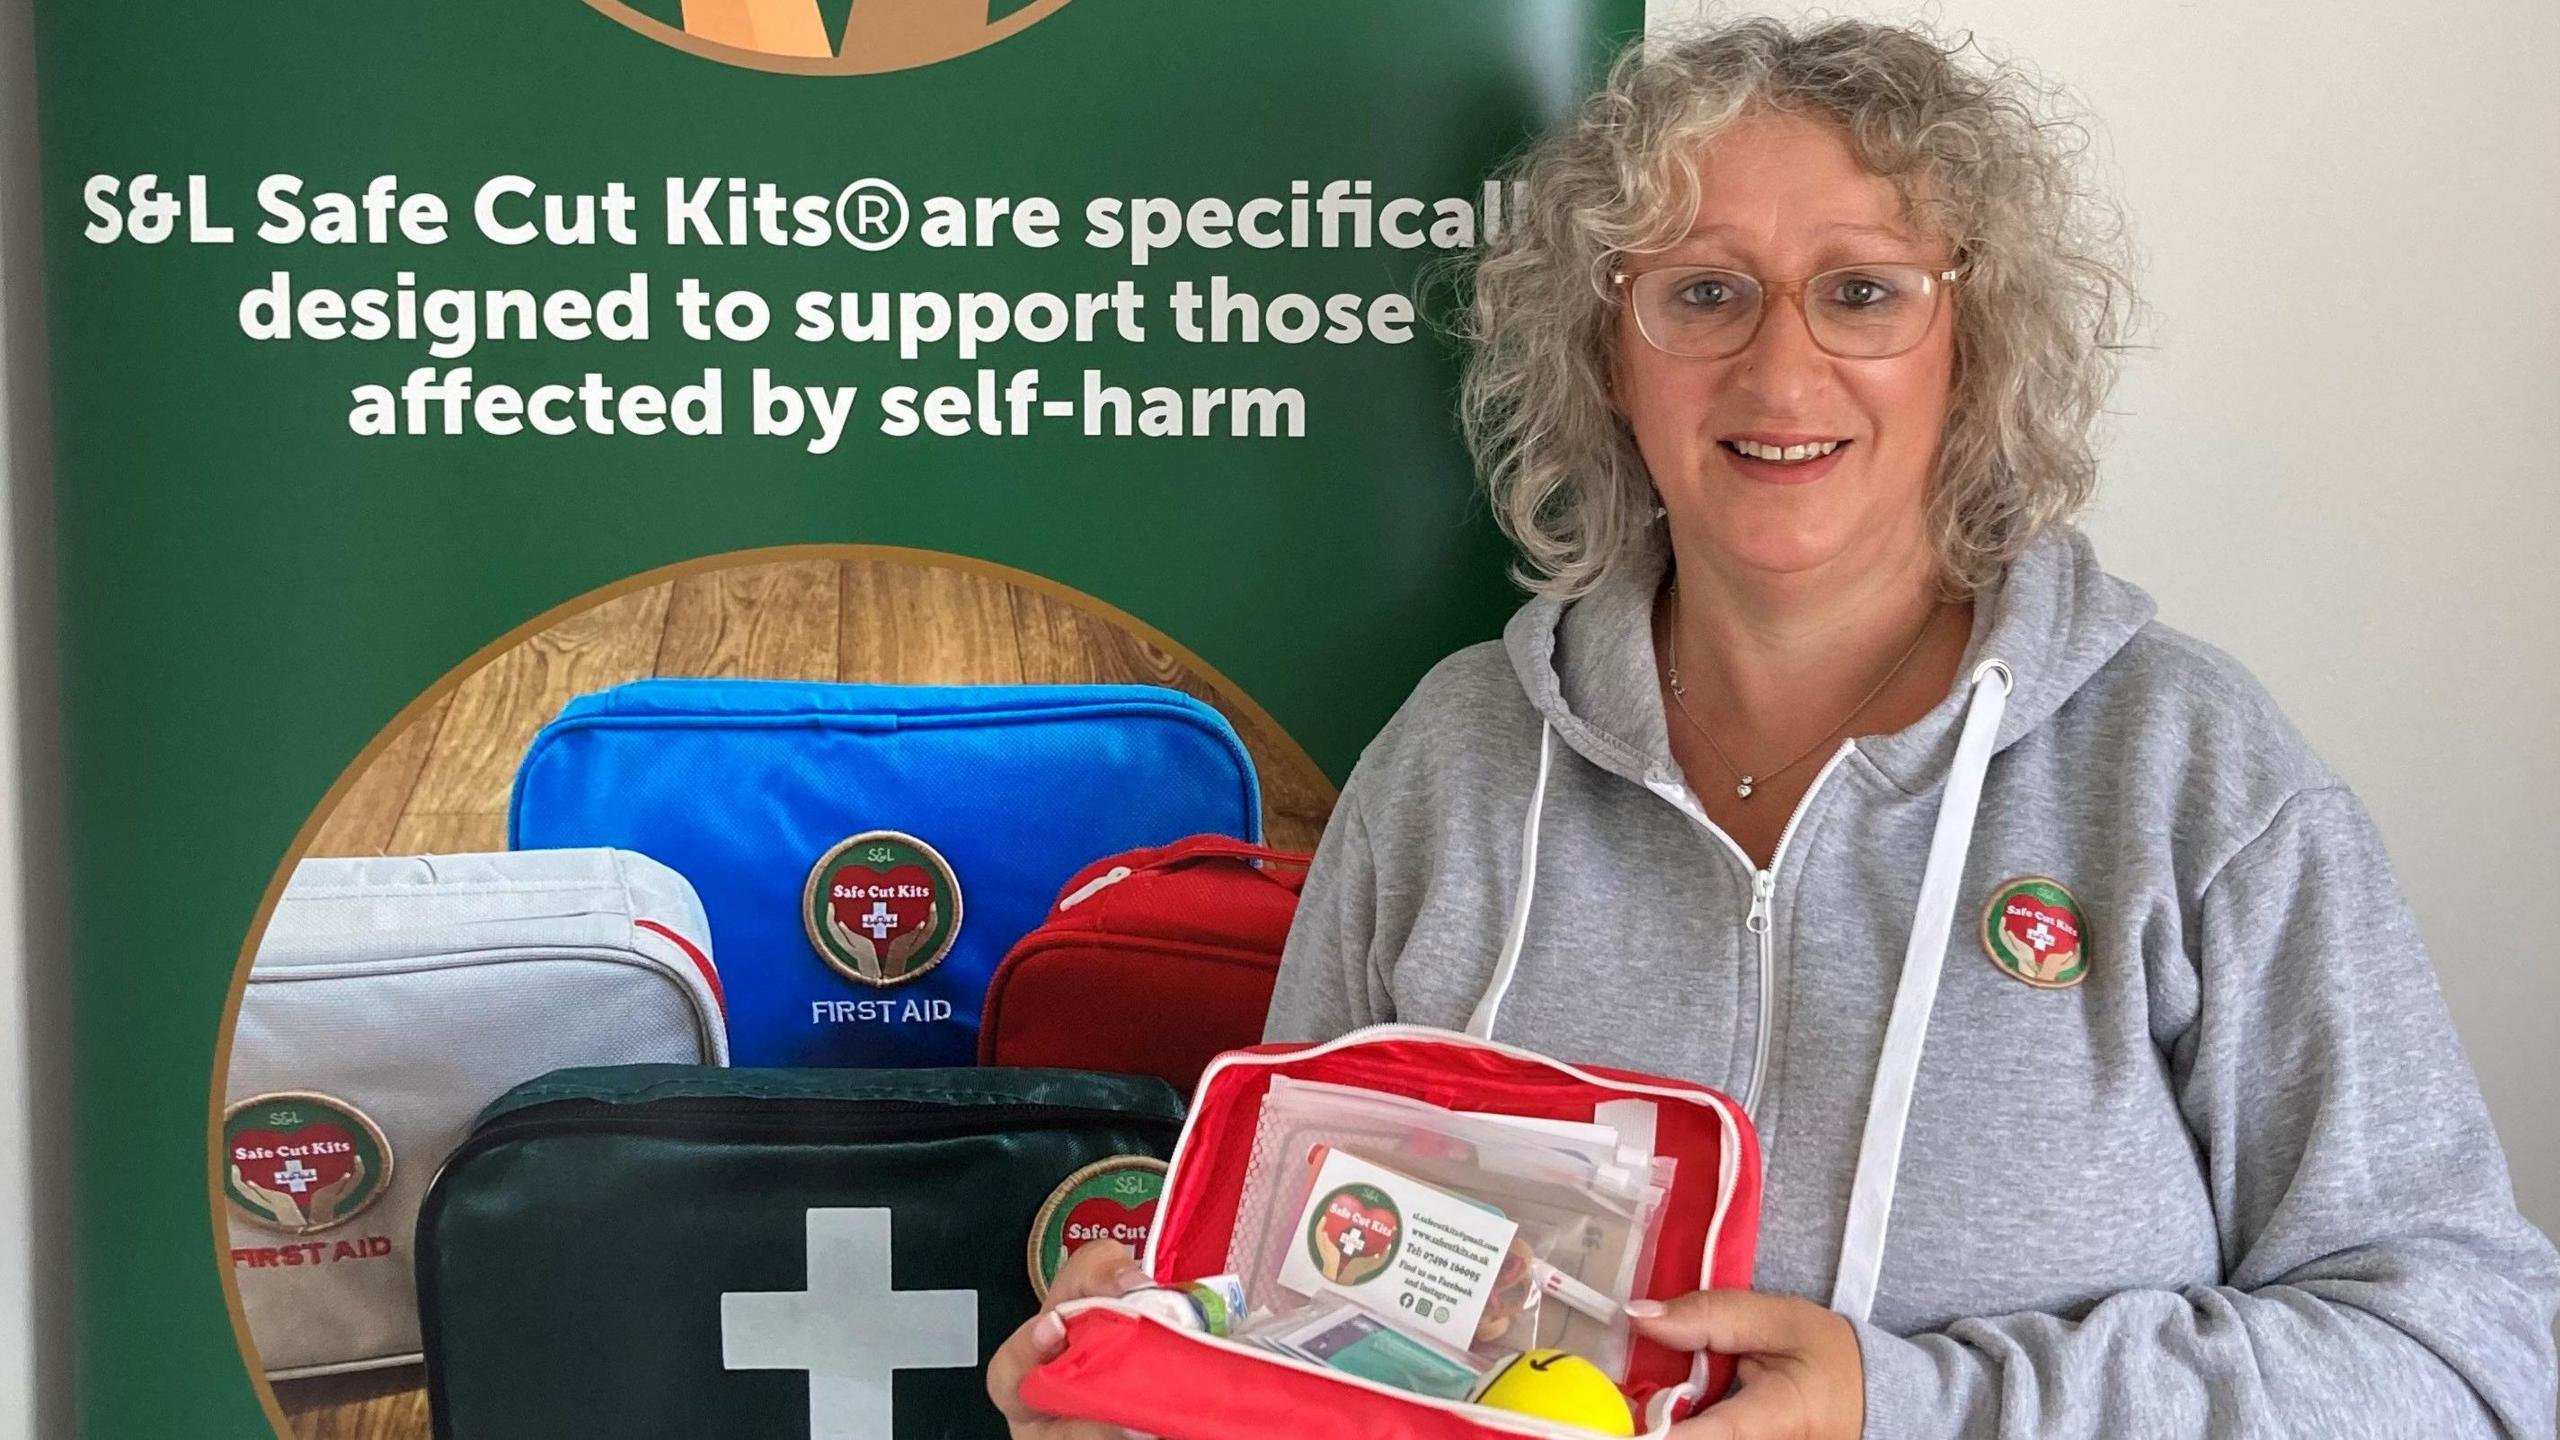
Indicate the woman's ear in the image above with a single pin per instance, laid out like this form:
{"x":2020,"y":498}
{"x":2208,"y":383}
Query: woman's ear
{"x":1612,"y":375}
{"x":1614,"y":384}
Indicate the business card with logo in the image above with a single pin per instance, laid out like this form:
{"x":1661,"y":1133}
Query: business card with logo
{"x":1416,"y":1256}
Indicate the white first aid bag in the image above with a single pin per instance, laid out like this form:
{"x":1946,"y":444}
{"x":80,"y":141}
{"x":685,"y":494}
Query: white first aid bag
{"x":390,"y":1000}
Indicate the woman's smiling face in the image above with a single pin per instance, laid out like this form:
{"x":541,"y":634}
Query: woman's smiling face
{"x":1782,"y":197}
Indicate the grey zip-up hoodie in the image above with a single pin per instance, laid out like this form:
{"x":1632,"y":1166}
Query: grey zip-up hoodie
{"x":2238,"y":1179}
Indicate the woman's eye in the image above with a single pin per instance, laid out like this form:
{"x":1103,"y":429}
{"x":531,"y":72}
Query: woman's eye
{"x":1860,"y":292}
{"x":1703,"y":294}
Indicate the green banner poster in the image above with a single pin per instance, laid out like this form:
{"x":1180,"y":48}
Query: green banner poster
{"x":420,"y":369}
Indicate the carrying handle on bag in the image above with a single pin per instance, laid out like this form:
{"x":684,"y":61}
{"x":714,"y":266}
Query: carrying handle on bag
{"x":1284,"y":868}
{"x":1221,"y":847}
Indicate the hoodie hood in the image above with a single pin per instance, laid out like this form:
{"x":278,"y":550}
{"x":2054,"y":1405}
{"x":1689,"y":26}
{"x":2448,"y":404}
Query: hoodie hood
{"x":2055,"y":618}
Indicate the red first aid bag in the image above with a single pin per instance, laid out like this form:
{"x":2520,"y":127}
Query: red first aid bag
{"x":1150,"y":963}
{"x":1133,"y":1369}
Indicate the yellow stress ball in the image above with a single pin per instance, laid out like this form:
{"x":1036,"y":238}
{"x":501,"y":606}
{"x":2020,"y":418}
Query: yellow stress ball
{"x":1553,"y":1385}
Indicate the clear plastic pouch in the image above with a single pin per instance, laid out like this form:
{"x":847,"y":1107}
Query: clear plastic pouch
{"x":1586,"y":1205}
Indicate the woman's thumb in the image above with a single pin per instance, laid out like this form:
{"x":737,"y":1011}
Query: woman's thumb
{"x":1730,"y":1322}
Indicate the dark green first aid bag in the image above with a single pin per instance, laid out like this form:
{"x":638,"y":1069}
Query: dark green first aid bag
{"x":684,"y":1252}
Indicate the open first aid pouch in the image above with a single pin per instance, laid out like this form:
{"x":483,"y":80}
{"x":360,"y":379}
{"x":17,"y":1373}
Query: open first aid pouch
{"x":1402,"y":1208}
{"x":663,"y":1251}
{"x":389,"y":1001}
{"x":868,"y":853}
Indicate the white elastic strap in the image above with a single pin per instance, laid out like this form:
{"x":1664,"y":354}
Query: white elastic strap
{"x":1480,"y":1024}
{"x":1898,"y":1069}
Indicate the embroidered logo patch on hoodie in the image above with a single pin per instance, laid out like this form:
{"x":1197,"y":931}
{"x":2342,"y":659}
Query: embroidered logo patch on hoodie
{"x":2035,"y":930}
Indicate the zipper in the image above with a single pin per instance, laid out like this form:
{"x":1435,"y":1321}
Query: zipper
{"x":847,"y":1119}
{"x":792,"y":1118}
{"x":1764,"y":885}
{"x":420,"y":962}
{"x":778,"y":1118}
{"x":695,"y":982}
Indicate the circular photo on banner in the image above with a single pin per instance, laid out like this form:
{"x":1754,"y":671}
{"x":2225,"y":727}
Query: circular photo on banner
{"x":829,"y":37}
{"x":467,"y":909}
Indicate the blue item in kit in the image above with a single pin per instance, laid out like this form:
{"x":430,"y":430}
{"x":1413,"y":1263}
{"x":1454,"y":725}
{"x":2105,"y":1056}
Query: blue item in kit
{"x":866,"y":854}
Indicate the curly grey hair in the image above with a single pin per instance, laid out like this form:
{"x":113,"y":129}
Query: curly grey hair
{"x":2040,"y":310}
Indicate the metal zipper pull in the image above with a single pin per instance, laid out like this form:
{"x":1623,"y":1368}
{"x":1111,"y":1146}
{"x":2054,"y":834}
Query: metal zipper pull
{"x":1764,"y":883}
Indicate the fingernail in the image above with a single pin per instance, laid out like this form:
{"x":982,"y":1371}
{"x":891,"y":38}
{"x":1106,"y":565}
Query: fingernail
{"x":1049,"y":1332}
{"x":1130,"y":1277}
{"x":1645,"y":1309}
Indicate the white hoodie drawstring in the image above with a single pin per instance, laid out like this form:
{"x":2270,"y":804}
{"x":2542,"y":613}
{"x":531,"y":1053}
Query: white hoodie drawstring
{"x":1932,"y":927}
{"x":1898,"y":1069}
{"x":1480,"y":1024}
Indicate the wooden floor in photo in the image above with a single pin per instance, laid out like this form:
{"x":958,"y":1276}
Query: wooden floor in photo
{"x":440,"y":786}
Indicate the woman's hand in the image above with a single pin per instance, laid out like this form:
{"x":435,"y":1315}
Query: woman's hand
{"x":1101,"y":1268}
{"x":1799,"y":1374}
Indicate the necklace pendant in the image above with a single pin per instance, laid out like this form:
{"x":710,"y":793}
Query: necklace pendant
{"x":1743,"y":789}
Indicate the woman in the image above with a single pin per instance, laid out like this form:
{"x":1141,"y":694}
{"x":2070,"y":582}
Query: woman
{"x":1782,"y":386}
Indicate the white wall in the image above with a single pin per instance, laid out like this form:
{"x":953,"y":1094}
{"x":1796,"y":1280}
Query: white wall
{"x":2342,"y":461}
{"x":34,"y":1278}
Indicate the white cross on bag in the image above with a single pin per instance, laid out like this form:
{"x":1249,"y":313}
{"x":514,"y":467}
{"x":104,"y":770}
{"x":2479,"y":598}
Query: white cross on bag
{"x":2040,"y":937}
{"x":878,"y":920}
{"x":850,"y":1329}
{"x":296,"y":1176}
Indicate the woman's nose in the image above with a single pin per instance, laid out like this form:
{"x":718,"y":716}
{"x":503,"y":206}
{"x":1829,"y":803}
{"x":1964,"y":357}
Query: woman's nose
{"x":1782,"y":365}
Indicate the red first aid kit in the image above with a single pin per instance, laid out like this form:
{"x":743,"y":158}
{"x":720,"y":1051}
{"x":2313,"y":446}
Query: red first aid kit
{"x":1129,"y":1367}
{"x":1150,"y":963}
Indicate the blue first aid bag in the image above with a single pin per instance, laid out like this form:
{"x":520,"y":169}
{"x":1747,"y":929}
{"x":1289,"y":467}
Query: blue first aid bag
{"x":866,"y":854}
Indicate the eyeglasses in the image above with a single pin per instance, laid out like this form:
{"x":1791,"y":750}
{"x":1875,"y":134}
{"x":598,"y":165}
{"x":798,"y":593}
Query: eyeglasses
{"x":1857,"y":312}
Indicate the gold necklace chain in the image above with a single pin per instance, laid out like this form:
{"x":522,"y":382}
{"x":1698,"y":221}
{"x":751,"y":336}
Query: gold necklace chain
{"x":1744,"y":783}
